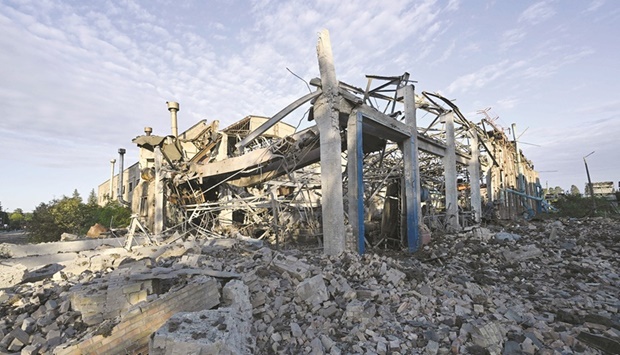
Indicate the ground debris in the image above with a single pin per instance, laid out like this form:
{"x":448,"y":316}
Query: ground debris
{"x":550,"y":295}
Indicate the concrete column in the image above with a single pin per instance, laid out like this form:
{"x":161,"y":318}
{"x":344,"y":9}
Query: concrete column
{"x":158,"y":224}
{"x":413,"y":201}
{"x":449,"y":164}
{"x":326,"y":115}
{"x":356,"y":183}
{"x":474,"y":176}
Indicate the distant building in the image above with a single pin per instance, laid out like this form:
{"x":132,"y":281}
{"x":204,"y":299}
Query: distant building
{"x":131,"y":178}
{"x":200,"y":144}
{"x":600,"y":189}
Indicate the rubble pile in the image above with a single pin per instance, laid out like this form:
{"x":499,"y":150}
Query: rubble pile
{"x":545,"y":287}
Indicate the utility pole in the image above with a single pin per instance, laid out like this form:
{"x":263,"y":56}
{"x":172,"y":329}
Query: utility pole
{"x":590,"y":182}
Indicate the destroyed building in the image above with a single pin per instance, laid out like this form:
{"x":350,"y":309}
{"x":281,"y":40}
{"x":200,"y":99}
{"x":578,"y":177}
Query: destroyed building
{"x":383,"y":164}
{"x":201,"y":281}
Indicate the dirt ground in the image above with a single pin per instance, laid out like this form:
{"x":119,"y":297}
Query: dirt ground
{"x":14,"y":237}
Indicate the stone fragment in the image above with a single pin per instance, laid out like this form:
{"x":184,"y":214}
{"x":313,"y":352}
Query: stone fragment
{"x":296,"y":330}
{"x":292,"y":266}
{"x":20,"y":335}
{"x":42,"y":273}
{"x":524,"y":253}
{"x":489,"y":335}
{"x":313,"y":290}
{"x":327,"y":342}
{"x":226,"y":330}
{"x":482,"y":233}
{"x":32,"y":349}
{"x":394,"y":276}
{"x":68,"y":237}
{"x":527,"y":346}
{"x":28,"y":325}
{"x":360,"y":311}
{"x":16,"y":345}
{"x":96,"y":230}
{"x":432,"y":347}
{"x":317,"y":347}
{"x":507,"y":236}
{"x":607,"y":345}
{"x":11,"y":275}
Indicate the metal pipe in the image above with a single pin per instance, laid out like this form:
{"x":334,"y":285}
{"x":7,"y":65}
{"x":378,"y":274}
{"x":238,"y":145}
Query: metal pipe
{"x":520,"y":177}
{"x":121,"y":160}
{"x":590,"y":182}
{"x":173,"y":107}
{"x":111,"y":194}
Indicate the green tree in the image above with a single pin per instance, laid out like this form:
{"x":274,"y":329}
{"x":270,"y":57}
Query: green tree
{"x":113,"y":214}
{"x":574,"y":190}
{"x":16,"y":219}
{"x":4,"y":217}
{"x":76,"y":195}
{"x":92,"y":198}
{"x":70,"y":215}
{"x":42,"y":227}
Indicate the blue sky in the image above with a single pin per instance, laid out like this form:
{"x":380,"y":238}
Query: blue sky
{"x":79,"y":79}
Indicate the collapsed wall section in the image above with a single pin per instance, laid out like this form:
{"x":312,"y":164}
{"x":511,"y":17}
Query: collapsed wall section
{"x":131,"y":334}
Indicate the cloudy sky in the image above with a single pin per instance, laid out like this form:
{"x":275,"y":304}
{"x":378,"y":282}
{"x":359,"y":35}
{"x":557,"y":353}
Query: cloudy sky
{"x":79,"y":79}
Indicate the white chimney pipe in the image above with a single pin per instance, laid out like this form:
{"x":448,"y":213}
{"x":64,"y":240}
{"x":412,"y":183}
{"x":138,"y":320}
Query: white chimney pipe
{"x":111,"y":196}
{"x":173,"y":107}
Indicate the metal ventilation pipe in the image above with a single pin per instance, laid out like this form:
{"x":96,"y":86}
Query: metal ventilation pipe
{"x":121,"y":160}
{"x":111,"y":196}
{"x":173,"y":107}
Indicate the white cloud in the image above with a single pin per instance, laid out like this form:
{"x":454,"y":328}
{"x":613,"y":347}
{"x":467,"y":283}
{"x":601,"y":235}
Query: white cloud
{"x":512,"y":37}
{"x":595,"y":5}
{"x":537,"y":13}
{"x":86,"y":77}
{"x":453,"y":5}
{"x":484,"y":76}
{"x":507,"y":103}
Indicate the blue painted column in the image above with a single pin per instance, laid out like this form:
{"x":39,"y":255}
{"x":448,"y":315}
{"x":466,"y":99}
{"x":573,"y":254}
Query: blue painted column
{"x":412,"y":172}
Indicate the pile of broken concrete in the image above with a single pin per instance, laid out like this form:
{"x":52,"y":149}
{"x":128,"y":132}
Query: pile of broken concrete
{"x":545,"y":287}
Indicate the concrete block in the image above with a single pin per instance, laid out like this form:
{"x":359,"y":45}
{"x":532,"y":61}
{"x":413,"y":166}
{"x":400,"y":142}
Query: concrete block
{"x":524,"y":253}
{"x":32,"y":349}
{"x":226,"y":330}
{"x":16,"y":345}
{"x":292,"y":266}
{"x":19,"y":251}
{"x":28,"y":325}
{"x":11,"y":275}
{"x":394,"y":276}
{"x":313,"y":290}
{"x":21,"y":335}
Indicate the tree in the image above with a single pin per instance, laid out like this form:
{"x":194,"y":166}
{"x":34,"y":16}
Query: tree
{"x":113,"y":214}
{"x":92,"y":198}
{"x":42,"y":227}
{"x":4,"y":217}
{"x":558,"y":190}
{"x":70,"y":215}
{"x":574,"y":190}
{"x":76,"y":195}
{"x":16,"y":219}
